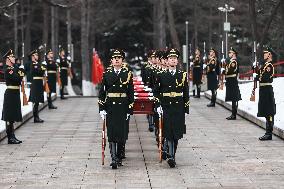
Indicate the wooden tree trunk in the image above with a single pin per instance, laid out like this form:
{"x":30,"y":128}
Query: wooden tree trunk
{"x":53,"y":45}
{"x":28,"y":28}
{"x":16,"y":30}
{"x":85,"y":48}
{"x":173,"y":31}
{"x":161,"y":25}
{"x":45,"y":23}
{"x":195,"y":24}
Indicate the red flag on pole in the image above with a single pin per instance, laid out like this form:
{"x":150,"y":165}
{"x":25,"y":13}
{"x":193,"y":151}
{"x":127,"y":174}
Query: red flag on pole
{"x":97,"y":69}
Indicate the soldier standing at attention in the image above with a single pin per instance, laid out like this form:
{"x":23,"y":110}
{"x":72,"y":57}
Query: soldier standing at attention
{"x":64,"y":64}
{"x":12,"y":102}
{"x":232,"y":87}
{"x":172,"y":102}
{"x":197,"y":71}
{"x":266,"y":102}
{"x":116,"y":100}
{"x":52,"y":67}
{"x":37,"y":89}
{"x":212,"y":70}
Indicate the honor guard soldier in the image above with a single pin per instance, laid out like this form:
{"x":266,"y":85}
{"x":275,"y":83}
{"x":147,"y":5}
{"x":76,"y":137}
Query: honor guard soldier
{"x":172,"y":102}
{"x":64,"y":64}
{"x":212,"y":70}
{"x":197,"y":71}
{"x":37,"y":88}
{"x":12,"y":103}
{"x":116,"y":100}
{"x":266,"y":103}
{"x":231,"y":72}
{"x":52,"y":68}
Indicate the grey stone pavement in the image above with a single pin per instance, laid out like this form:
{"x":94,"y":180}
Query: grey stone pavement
{"x":65,"y":152}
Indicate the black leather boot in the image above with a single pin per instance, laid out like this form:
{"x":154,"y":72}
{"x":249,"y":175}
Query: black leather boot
{"x":35,"y":113}
{"x":112,"y":147}
{"x":62,"y":93}
{"x":50,"y":104}
{"x":234,"y":111}
{"x":198,"y":92}
{"x":193,"y":92}
{"x":11,"y":137}
{"x":171,"y":159}
{"x":269,"y":129}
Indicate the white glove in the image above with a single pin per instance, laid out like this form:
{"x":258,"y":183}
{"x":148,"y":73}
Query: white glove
{"x":68,"y":58}
{"x":222,"y":70}
{"x":43,"y":63}
{"x":191,"y":57}
{"x":103,"y":114}
{"x":254,"y":64}
{"x":191,"y":64}
{"x":223,"y":60}
{"x":160,"y":111}
{"x":204,"y":58}
{"x":58,"y":60}
{"x":204,"y":66}
{"x":254,"y":75}
{"x":22,"y":67}
{"x":127,"y":116}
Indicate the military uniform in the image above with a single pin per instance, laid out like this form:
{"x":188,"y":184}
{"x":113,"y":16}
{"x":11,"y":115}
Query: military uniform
{"x":64,"y":65}
{"x":266,"y":103}
{"x":52,"y":68}
{"x":212,"y":70}
{"x":197,"y":74}
{"x":37,"y":88}
{"x":116,"y":98}
{"x":232,"y":87}
{"x":172,"y":94}
{"x":11,"y":111}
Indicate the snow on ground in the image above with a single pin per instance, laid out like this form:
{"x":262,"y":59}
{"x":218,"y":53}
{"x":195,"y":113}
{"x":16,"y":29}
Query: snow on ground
{"x":25,"y":109}
{"x":251,"y":107}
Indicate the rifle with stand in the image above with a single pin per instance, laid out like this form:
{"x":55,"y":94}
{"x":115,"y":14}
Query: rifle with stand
{"x":254,"y":70}
{"x":25,"y":99}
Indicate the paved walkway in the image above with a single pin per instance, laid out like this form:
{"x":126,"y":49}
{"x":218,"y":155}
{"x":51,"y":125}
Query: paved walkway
{"x":65,"y":152}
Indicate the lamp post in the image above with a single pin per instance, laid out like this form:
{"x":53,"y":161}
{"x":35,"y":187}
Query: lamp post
{"x":226,"y":9}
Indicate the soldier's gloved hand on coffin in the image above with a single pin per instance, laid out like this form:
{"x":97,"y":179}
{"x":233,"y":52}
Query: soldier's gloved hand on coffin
{"x":103,"y":114}
{"x":127,"y":116}
{"x":160,"y":111}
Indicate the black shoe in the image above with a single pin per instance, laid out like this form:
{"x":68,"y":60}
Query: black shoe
{"x":13,"y":141}
{"x":265,"y":137}
{"x":232,"y":117}
{"x":171,"y":162}
{"x":211,"y":105}
{"x":17,"y":139}
{"x":38,"y":120}
{"x":52,"y":107}
{"x":151,"y":128}
{"x":119,"y":162}
{"x":63,"y":98}
{"x":196,"y":96}
{"x":113,"y":164}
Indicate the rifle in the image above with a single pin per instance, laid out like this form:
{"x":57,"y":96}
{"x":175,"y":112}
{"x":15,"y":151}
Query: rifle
{"x":254,"y":70}
{"x":25,"y":99}
{"x":222,"y":66}
{"x":204,"y":58}
{"x":58,"y":73}
{"x":160,"y":138}
{"x":103,"y":141}
{"x":46,"y":87}
{"x":191,"y":67}
{"x":69,"y":59}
